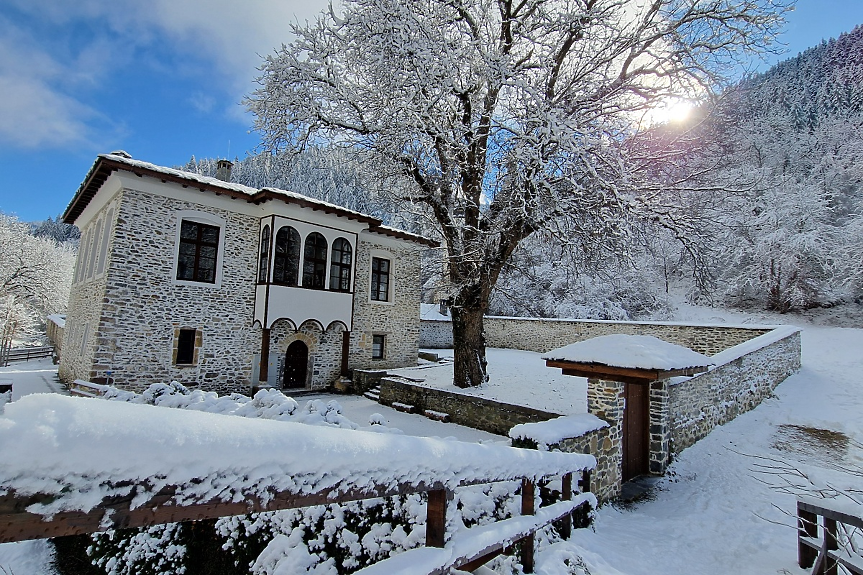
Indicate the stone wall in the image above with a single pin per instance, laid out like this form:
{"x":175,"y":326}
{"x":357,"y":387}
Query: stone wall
{"x":739,"y":383}
{"x":435,"y":334}
{"x":139,"y":307}
{"x":542,"y":335}
{"x":463,"y":409}
{"x":398,"y":319}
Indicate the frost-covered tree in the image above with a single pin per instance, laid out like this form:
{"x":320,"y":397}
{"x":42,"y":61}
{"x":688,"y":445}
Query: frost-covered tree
{"x":35,"y":276}
{"x":507,"y":117}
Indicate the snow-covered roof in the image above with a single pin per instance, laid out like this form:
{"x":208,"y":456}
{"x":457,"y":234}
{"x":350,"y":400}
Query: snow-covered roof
{"x":107,"y":163}
{"x":84,"y":450}
{"x":630,"y":352}
{"x":431,"y":312}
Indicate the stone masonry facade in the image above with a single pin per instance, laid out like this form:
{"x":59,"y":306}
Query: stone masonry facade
{"x":140,"y":312}
{"x":133,"y":321}
{"x":397,"y":320}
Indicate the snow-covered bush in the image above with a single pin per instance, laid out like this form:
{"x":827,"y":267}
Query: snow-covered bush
{"x":322,"y":540}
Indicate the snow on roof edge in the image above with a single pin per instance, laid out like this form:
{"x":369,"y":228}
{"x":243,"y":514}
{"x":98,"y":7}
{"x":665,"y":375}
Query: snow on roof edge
{"x":633,"y":322}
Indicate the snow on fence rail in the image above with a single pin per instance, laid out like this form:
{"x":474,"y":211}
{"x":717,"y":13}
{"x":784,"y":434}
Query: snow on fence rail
{"x":824,"y":555}
{"x":76,"y":465}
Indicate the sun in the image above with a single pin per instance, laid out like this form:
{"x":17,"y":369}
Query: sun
{"x":672,"y":110}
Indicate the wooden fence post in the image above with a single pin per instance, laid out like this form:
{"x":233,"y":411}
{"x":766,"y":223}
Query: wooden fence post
{"x":584,"y":483}
{"x":527,"y":508}
{"x":830,"y":542}
{"x":436,"y":518}
{"x":566,"y":495}
{"x":807,"y":526}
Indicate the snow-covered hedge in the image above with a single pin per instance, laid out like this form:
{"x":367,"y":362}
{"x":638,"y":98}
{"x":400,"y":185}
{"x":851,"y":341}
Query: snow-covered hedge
{"x":65,"y":445}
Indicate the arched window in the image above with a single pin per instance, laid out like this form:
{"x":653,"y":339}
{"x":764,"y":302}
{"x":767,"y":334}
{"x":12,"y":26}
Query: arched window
{"x":315,"y":261}
{"x":264,"y":259}
{"x":286,"y":261}
{"x":340,"y":268}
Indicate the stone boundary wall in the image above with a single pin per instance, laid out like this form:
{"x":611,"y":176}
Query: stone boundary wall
{"x":605,"y":481}
{"x":542,"y":335}
{"x":435,"y":334}
{"x":682,"y":410}
{"x":463,"y":409}
{"x":742,"y":378}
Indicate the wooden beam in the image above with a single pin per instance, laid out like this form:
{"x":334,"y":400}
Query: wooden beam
{"x":527,"y":508}
{"x":598,"y":370}
{"x":436,"y":518}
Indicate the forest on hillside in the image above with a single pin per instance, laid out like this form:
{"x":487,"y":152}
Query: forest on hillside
{"x":776,"y":221}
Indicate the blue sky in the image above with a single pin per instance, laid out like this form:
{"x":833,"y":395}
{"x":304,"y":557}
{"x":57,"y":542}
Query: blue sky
{"x":163,"y":80}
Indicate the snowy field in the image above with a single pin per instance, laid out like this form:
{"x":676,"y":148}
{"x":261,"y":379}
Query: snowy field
{"x":715,"y":512}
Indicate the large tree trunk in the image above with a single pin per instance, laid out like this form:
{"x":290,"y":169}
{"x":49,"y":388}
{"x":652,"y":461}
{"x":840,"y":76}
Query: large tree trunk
{"x":468,"y":309}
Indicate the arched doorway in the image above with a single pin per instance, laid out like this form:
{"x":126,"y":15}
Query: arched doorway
{"x":296,"y":365}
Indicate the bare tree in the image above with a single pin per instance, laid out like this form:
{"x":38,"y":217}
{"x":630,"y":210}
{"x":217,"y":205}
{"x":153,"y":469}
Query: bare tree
{"x":506,"y":116}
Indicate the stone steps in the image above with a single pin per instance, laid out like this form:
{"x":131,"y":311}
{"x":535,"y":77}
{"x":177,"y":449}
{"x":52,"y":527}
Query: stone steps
{"x":437,"y":415}
{"x":403,"y":407}
{"x":374,"y":394}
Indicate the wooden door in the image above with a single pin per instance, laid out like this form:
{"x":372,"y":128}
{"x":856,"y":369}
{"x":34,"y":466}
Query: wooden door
{"x":296,"y":365}
{"x":636,"y":430}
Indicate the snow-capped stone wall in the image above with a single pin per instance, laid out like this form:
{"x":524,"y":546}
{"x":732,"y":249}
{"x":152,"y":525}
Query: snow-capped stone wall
{"x":462,"y":408}
{"x":742,"y":378}
{"x":541,"y":335}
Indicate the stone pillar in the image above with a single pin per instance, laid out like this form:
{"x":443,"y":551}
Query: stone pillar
{"x":660,"y":427}
{"x":605,"y":400}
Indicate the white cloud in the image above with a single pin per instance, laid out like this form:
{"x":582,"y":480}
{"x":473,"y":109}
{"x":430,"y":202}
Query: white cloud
{"x":49,"y":67}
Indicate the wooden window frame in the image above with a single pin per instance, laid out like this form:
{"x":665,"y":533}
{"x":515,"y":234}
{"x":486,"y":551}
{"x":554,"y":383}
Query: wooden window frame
{"x":315,"y":261}
{"x":340,"y":270}
{"x":381,"y":279}
{"x":198,"y":243}
{"x":289,"y":257}
{"x":264,"y":256}
{"x":379,"y":342}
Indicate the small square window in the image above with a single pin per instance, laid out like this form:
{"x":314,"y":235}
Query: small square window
{"x":378,"y":346}
{"x":186,"y":347}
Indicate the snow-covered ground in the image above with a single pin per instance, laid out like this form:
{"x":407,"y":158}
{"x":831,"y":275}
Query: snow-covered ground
{"x":713,"y":513}
{"x":515,"y":376}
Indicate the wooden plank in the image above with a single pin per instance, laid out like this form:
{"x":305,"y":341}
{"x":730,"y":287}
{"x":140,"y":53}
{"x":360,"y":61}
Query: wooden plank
{"x":436,"y":518}
{"x":609,"y":371}
{"x":528,"y":493}
{"x":807,"y":529}
{"x":827,"y":509}
{"x":830,"y":544}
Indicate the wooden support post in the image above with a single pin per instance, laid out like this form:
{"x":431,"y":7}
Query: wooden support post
{"x":566,"y":495}
{"x":830,"y":544}
{"x":264,"y":372}
{"x":807,"y":526}
{"x":527,"y":508}
{"x":584,"y":482}
{"x":436,"y":518}
{"x":346,"y":350}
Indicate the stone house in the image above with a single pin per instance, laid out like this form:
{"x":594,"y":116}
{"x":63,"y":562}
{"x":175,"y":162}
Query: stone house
{"x":222,"y":286}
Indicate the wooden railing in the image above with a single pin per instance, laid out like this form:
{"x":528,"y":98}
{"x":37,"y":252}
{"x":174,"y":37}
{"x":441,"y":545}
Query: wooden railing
{"x":26,"y":354}
{"x":822,"y":552}
{"x":135,"y":500}
{"x":468,"y":549}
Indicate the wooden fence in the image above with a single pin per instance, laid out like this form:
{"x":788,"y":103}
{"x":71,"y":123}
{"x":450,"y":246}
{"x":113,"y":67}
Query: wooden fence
{"x":25,"y":354}
{"x":822,"y":553}
{"x":465,"y":549}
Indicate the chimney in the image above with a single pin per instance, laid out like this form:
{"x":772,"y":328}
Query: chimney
{"x":223,"y":170}
{"x":444,"y":304}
